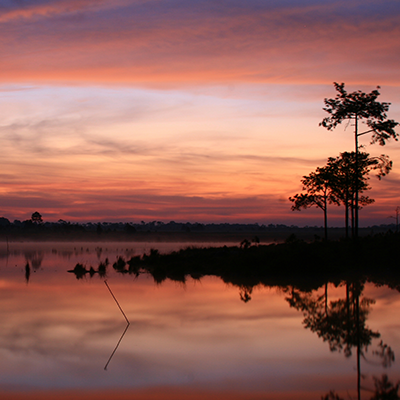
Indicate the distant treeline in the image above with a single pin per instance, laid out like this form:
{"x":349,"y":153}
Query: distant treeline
{"x":197,"y":231}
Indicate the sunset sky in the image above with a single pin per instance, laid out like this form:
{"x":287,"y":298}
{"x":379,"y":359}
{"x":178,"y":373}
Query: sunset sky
{"x":186,"y":110}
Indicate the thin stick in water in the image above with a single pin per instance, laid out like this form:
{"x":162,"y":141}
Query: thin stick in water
{"x":116,"y":347}
{"x":123,"y":333}
{"x":112,"y":294}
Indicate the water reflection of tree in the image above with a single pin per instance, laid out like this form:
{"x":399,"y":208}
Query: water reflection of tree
{"x":245,"y":292}
{"x":35,"y":258}
{"x":342,"y":323}
{"x":384,"y":390}
{"x":27,"y":272}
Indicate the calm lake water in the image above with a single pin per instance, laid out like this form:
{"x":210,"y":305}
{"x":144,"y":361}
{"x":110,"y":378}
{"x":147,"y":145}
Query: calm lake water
{"x":196,"y":340}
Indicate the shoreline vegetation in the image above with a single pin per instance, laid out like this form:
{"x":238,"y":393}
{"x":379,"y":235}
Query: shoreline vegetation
{"x":306,"y":265}
{"x":296,"y":268}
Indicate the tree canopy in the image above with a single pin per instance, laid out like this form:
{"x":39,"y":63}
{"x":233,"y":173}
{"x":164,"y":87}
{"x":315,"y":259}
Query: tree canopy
{"x":36,"y":218}
{"x":338,"y":182}
{"x":360,"y":106}
{"x":364,"y":108}
{"x":319,"y":193}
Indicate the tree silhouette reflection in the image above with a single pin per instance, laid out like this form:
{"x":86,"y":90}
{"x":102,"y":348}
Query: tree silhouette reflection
{"x":27,"y":272}
{"x":385,"y":390}
{"x":245,"y":292}
{"x":35,"y":258}
{"x":342,"y":323}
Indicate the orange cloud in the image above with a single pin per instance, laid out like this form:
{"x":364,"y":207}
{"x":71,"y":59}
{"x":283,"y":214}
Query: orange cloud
{"x":182,"y":45}
{"x":238,"y":155}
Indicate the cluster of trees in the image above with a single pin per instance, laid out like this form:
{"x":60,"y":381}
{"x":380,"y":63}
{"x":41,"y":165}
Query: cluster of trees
{"x":344,"y":179}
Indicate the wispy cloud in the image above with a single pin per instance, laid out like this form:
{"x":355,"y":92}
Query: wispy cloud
{"x":49,"y":9}
{"x":204,"y":101}
{"x":159,"y":43}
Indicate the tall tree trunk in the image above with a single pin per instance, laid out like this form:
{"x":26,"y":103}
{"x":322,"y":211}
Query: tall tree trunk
{"x":357,"y":183}
{"x":352,"y":217}
{"x":348,"y":308}
{"x":346,"y":205}
{"x":346,"y":213}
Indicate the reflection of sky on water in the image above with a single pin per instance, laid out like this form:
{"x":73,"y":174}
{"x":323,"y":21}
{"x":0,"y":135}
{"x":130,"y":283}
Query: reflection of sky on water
{"x":58,"y":332}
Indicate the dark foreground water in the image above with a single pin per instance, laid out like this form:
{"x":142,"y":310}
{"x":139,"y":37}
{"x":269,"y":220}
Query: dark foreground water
{"x":63,"y":337}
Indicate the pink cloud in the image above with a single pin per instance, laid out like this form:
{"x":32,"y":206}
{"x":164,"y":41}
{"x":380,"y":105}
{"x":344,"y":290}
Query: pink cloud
{"x":47,"y":10}
{"x":134,"y":204}
{"x":292,"y":44}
